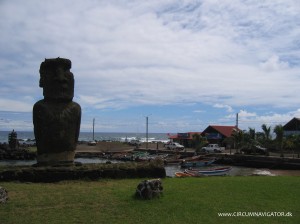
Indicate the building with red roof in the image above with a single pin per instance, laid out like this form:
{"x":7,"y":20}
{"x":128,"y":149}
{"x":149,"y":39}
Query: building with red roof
{"x":216,"y":134}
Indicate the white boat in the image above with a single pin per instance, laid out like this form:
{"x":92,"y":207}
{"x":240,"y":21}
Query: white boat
{"x":222,"y":171}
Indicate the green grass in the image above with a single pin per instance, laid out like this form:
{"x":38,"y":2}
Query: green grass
{"x":189,"y":200}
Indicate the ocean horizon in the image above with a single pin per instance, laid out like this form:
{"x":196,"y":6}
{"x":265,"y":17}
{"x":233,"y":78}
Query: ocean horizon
{"x":98,"y":136}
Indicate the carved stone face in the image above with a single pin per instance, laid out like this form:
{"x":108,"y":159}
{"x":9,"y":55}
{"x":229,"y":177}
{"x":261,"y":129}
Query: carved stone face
{"x":56,"y":79}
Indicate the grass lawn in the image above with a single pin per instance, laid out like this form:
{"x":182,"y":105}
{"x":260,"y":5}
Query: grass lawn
{"x":188,"y":200}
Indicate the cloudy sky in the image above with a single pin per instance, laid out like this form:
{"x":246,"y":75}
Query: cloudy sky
{"x":184,"y":64}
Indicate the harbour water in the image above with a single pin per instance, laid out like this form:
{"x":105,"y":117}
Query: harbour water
{"x":99,"y":136}
{"x":170,"y":169}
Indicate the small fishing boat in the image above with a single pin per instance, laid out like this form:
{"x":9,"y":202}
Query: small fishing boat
{"x":222,"y":171}
{"x":184,"y":174}
{"x":193,"y":158}
{"x":193,"y":173}
{"x":141,"y":156}
{"x":199,"y":163}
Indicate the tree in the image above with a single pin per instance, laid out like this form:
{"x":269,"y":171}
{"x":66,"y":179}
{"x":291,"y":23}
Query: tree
{"x":199,"y":141}
{"x":252,"y":133}
{"x":229,"y":142}
{"x":292,"y":142}
{"x":266,"y":140}
{"x":13,"y":140}
{"x":238,"y":137}
{"x":266,"y":131}
{"x":278,"y":130}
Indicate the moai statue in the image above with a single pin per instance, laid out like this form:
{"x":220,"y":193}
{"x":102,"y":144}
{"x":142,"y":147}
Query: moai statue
{"x":56,"y":118}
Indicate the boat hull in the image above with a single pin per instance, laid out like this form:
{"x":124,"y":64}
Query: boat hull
{"x":212,"y":172}
{"x":183,"y":174}
{"x":199,"y":163}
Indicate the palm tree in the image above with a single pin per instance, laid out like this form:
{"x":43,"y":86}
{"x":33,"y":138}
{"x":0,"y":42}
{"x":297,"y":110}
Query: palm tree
{"x":278,"y":130}
{"x":267,"y":132}
{"x":266,"y":136}
{"x":252,"y":133}
{"x":199,"y":141}
{"x":252,"y":139}
{"x":238,"y":137}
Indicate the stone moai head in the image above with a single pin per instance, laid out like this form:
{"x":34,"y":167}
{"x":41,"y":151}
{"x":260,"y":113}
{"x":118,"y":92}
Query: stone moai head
{"x":56,"y":79}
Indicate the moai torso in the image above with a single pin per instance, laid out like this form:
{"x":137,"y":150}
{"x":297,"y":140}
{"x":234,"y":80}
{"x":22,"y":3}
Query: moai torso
{"x":56,"y":118}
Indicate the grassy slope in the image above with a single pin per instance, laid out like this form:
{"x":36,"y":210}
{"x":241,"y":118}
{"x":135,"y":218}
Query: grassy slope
{"x":189,"y":200}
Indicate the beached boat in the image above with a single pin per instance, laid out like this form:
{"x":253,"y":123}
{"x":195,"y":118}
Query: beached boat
{"x":193,"y":158}
{"x":199,"y":163}
{"x":184,"y":174}
{"x":222,"y":171}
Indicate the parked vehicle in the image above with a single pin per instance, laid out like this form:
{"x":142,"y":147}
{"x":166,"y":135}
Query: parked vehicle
{"x":174,"y":145}
{"x":92,"y":143}
{"x":213,"y":148}
{"x":254,"y":150}
{"x":135,"y":142}
{"x":167,"y":143}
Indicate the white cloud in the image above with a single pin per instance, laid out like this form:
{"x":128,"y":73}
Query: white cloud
{"x":227,"y":107}
{"x":274,"y":63}
{"x":254,"y":120}
{"x":14,"y":105}
{"x":231,"y":54}
{"x":199,"y":111}
{"x":246,"y":114}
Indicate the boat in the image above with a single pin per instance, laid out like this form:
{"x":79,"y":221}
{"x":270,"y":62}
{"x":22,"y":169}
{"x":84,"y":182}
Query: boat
{"x":141,"y":156}
{"x":172,"y":159}
{"x":199,"y":163}
{"x":193,"y":158}
{"x":184,"y":174}
{"x":221,"y":171}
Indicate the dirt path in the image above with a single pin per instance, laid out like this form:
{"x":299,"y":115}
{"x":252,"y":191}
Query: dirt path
{"x":104,"y":147}
{"x":115,"y":146}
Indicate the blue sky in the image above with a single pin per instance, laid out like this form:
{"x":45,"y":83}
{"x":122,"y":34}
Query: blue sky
{"x":185,"y":64}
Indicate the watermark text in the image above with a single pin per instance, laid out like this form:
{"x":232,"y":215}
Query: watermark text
{"x":255,"y":214}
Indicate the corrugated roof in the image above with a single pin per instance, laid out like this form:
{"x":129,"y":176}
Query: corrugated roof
{"x":224,"y":130}
{"x":173,"y":136}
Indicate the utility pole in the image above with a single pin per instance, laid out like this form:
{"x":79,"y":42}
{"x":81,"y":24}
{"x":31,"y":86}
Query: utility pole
{"x":147,"y":133}
{"x":93,"y":129}
{"x":147,"y":118}
{"x":237,"y":120}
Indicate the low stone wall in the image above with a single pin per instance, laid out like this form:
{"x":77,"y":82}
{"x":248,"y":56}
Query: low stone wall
{"x":259,"y":161}
{"x":16,"y":154}
{"x":151,"y":169}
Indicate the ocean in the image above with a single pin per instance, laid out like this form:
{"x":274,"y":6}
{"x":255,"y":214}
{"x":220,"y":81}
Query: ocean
{"x":99,"y":136}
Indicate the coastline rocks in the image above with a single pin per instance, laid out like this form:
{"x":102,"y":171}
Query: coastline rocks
{"x":149,"y":189}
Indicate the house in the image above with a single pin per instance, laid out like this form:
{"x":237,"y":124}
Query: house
{"x":185,"y":139}
{"x":292,"y":127}
{"x":215,"y":134}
